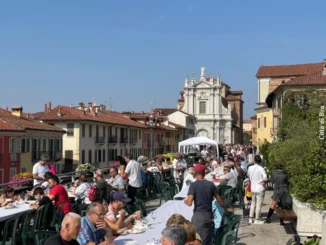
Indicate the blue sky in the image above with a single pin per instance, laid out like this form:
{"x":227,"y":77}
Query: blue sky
{"x":135,"y":52}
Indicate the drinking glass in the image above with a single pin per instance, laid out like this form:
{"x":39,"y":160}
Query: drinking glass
{"x":153,"y":215}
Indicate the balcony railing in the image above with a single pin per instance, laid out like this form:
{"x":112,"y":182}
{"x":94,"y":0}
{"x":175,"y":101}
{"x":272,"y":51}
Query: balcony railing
{"x":113,"y":139}
{"x":53,"y":155}
{"x":124,"y":140}
{"x":99,"y":140}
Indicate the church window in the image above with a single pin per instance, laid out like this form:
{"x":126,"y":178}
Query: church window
{"x":202,"y":107}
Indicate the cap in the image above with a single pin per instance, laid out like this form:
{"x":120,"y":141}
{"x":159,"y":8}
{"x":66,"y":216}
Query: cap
{"x":199,"y":168}
{"x":120,"y":196}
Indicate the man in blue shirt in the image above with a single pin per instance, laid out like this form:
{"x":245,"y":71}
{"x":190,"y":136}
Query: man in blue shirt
{"x":94,"y":228}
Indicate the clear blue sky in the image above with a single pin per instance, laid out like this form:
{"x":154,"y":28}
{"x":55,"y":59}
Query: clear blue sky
{"x":135,"y":52}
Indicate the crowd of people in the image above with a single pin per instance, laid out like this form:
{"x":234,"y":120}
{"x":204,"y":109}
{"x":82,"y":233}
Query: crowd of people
{"x":105,"y":218}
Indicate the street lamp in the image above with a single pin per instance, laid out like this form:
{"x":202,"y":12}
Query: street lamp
{"x":151,"y":124}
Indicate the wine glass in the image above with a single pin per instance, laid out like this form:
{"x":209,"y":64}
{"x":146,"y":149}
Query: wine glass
{"x":153,"y":215}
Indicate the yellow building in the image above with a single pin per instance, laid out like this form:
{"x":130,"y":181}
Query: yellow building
{"x":264,"y":124}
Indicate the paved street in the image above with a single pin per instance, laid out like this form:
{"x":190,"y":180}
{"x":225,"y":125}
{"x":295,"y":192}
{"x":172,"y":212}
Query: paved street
{"x":267,"y":234}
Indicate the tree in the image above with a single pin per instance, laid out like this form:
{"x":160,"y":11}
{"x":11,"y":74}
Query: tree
{"x":301,"y":147}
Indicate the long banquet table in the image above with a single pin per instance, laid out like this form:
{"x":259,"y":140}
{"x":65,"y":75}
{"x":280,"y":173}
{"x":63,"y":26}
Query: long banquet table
{"x":183,"y":194}
{"x":163,"y":213}
{"x":8,"y":213}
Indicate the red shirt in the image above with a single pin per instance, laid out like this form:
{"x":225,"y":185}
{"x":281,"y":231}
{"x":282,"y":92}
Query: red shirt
{"x":60,"y":195}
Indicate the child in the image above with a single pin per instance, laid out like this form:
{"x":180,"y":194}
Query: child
{"x":41,"y":199}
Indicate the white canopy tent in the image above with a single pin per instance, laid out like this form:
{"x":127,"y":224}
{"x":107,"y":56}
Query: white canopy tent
{"x":195,"y":141}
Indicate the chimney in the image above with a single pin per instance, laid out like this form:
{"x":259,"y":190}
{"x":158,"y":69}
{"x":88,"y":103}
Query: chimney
{"x":96,"y":110}
{"x":50,"y":106}
{"x":324,"y":68}
{"x":101,"y":107}
{"x":90,"y":104}
{"x":45,"y":107}
{"x":17,"y":111}
{"x":59,"y":112}
{"x":6,"y":108}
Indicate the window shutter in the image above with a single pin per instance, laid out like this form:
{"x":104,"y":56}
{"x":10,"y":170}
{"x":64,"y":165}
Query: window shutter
{"x":27,"y":144}
{"x":10,"y":144}
{"x":18,"y":145}
{"x":264,"y":122}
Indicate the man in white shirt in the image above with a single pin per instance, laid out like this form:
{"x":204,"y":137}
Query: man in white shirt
{"x":116,"y":182}
{"x":133,"y":170}
{"x":228,"y":176}
{"x":204,"y":153}
{"x":40,"y":168}
{"x":257,"y":176}
{"x":179,"y":165}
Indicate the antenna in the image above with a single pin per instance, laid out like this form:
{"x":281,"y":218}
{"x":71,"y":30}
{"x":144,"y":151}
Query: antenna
{"x":94,"y":101}
{"x":152,"y":105}
{"x":109,"y":103}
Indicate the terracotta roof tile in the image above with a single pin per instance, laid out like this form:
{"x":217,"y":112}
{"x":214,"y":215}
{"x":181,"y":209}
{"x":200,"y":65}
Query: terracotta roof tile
{"x":167,"y":128}
{"x":236,"y":92}
{"x":14,"y":123}
{"x":72,"y":114}
{"x":315,"y":78}
{"x":288,"y":70}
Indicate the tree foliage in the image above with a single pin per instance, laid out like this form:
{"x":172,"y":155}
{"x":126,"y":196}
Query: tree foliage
{"x":301,"y":146}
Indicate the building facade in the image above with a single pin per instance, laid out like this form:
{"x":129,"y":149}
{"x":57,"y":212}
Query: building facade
{"x":94,"y":135}
{"x":217,"y":109}
{"x":22,"y":141}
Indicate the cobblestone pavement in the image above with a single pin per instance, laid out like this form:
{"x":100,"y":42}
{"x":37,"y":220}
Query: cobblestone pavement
{"x":251,"y":234}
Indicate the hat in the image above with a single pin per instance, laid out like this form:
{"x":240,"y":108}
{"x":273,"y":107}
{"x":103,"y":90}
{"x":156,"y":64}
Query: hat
{"x":45,"y":157}
{"x":199,"y":168}
{"x":120,"y":196}
{"x":98,"y":172}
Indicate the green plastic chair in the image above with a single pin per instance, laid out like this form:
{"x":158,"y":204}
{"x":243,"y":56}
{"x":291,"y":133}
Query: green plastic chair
{"x":233,"y":225}
{"x":41,"y":236}
{"x":140,"y":205}
{"x":228,"y":197}
{"x":227,"y":238}
{"x":12,"y":229}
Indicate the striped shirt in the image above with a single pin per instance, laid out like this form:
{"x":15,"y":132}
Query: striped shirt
{"x":89,"y":233}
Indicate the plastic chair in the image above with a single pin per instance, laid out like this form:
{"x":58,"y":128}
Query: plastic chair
{"x":12,"y":229}
{"x":228,"y":197}
{"x":140,"y":204}
{"x":41,"y":236}
{"x":227,"y":238}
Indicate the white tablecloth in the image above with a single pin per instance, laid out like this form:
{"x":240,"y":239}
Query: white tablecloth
{"x":8,"y":213}
{"x":163,"y":213}
{"x":184,"y":192}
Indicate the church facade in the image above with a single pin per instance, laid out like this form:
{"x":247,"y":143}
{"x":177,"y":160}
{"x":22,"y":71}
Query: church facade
{"x":218,"y":110}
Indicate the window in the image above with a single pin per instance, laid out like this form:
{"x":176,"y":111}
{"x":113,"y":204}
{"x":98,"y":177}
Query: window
{"x":103,"y":155}
{"x":44,"y":145}
{"x":96,"y":156}
{"x":96,"y":131}
{"x":23,"y":170}
{"x":70,"y":129}
{"x":104,"y":131}
{"x":90,"y":133}
{"x":264,"y":122}
{"x":202,"y":107}
{"x":139,"y":134}
{"x":14,"y":145}
{"x":83,"y":130}
{"x":13,"y":172}
{"x":279,"y":103}
{"x":258,"y":126}
{"x":25,"y":145}
{"x":99,"y":153}
{"x":89,"y":156}
{"x":83,"y":156}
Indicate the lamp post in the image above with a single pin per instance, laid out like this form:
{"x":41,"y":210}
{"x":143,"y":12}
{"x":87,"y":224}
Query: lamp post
{"x":151,"y":124}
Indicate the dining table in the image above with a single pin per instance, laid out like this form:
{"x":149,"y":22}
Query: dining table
{"x":183,"y":194}
{"x":157,"y":222}
{"x":7,"y":213}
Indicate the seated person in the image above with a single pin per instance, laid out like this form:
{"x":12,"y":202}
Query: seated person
{"x":45,"y":184}
{"x":228,"y":176}
{"x":151,"y":168}
{"x":218,"y":212}
{"x":81,"y":189}
{"x":101,"y":184}
{"x":173,"y":235}
{"x":41,"y":199}
{"x":94,"y":229}
{"x":116,"y":214}
{"x":179,"y":220}
{"x":116,"y":182}
{"x":8,"y":196}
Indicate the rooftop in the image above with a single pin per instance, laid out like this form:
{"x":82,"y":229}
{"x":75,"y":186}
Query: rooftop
{"x":288,"y":70}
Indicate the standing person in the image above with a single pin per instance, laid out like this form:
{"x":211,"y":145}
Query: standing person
{"x":40,"y":168}
{"x":101,"y":184}
{"x":133,"y":171}
{"x":257,"y":176}
{"x":68,"y":234}
{"x":250,"y":154}
{"x":202,"y":193}
{"x":281,"y":186}
{"x":179,"y":165}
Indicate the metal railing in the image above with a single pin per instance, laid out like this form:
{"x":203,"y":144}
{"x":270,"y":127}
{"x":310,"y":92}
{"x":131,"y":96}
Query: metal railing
{"x":113,"y":139}
{"x":124,"y":140}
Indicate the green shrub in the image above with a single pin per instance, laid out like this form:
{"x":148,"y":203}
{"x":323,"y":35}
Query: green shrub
{"x":300,"y":149}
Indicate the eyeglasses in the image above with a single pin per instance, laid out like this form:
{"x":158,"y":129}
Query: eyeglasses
{"x":99,"y":215}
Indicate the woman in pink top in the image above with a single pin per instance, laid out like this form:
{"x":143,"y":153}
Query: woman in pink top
{"x":52,"y":169}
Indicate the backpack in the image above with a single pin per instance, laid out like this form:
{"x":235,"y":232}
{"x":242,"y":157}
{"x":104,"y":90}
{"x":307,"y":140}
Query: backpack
{"x":93,"y":192}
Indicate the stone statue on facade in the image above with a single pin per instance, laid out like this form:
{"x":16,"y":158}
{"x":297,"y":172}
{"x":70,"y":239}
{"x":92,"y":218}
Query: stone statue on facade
{"x":202,"y":72}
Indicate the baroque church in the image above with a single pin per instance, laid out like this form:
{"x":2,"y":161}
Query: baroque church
{"x":218,"y":109}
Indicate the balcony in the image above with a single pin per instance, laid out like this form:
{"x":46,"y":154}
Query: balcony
{"x":99,"y":140}
{"x":133,"y":140}
{"x":124,"y":140}
{"x":113,"y":139}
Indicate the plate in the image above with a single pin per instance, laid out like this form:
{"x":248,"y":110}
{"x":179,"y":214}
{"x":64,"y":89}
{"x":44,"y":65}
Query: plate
{"x":131,"y":243}
{"x":9,"y":207}
{"x":137,"y":231}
